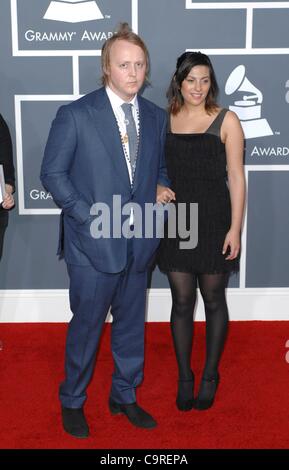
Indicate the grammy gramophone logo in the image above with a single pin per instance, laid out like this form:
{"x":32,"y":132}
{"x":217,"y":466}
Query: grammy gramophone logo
{"x":73,"y":11}
{"x":248,"y":108}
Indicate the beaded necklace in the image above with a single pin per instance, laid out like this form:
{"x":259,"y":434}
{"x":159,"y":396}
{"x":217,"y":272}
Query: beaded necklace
{"x":124,"y":140}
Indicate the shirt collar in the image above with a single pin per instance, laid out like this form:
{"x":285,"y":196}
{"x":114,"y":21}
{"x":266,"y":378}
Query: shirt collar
{"x":116,"y":101}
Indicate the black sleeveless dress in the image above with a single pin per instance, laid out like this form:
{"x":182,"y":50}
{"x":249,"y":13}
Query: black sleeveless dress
{"x":196,"y":166}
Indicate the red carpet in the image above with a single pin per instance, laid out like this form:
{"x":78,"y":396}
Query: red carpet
{"x":251,"y":409}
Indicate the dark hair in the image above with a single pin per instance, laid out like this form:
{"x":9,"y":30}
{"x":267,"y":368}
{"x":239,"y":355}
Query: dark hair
{"x":185,"y":63}
{"x":124,"y":33}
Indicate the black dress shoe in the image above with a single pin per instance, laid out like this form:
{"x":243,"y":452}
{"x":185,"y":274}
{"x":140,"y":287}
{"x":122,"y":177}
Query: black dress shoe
{"x":185,"y":396}
{"x":74,"y":422}
{"x":135,"y":414}
{"x":207,"y":393}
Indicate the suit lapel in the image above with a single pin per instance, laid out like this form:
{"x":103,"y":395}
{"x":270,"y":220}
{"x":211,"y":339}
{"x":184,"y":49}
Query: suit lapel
{"x":146,"y":133}
{"x":108,"y":131}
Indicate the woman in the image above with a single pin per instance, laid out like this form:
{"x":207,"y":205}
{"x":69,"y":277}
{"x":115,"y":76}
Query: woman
{"x":204,"y":153}
{"x":6,"y":159}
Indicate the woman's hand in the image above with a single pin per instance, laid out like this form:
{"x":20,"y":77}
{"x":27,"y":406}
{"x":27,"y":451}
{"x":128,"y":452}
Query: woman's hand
{"x":232,"y":241}
{"x":8,"y":200}
{"x":165,"y":194}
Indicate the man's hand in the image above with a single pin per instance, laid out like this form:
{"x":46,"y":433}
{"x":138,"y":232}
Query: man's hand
{"x":8,"y":200}
{"x":165,"y":194}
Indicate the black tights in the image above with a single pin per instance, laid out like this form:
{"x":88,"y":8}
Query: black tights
{"x":212,"y":287}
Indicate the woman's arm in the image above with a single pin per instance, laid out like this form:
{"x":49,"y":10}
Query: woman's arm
{"x":6,"y":157}
{"x":233,"y":137}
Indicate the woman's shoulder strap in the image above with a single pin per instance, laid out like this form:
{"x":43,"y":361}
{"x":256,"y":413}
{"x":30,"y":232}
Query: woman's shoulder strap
{"x":215,"y":127}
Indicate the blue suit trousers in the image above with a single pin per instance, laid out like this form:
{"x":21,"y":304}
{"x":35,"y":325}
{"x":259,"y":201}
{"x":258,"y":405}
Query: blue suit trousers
{"x":92,"y":293}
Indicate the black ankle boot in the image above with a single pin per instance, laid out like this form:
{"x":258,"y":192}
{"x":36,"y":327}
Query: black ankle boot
{"x":185,"y":396}
{"x":207,"y":393}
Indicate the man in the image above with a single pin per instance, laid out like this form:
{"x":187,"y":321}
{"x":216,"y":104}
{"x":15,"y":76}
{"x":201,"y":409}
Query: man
{"x":97,"y":149}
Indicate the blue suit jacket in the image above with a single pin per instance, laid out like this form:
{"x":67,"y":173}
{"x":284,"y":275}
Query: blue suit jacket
{"x":84,"y":163}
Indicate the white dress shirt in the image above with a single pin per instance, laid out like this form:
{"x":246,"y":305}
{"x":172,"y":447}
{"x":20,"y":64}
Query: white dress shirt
{"x":116,"y":103}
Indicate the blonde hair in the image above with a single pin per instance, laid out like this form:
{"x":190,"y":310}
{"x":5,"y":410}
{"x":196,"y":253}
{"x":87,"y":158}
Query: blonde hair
{"x":123,"y":33}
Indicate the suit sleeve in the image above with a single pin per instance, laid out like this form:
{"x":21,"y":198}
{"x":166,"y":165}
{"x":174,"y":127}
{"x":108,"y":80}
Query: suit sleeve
{"x":56,"y":165}
{"x":163,"y":178}
{"x":6,"y":154}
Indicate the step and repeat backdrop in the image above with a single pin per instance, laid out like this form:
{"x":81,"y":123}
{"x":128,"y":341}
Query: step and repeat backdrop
{"x":50,"y":55}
